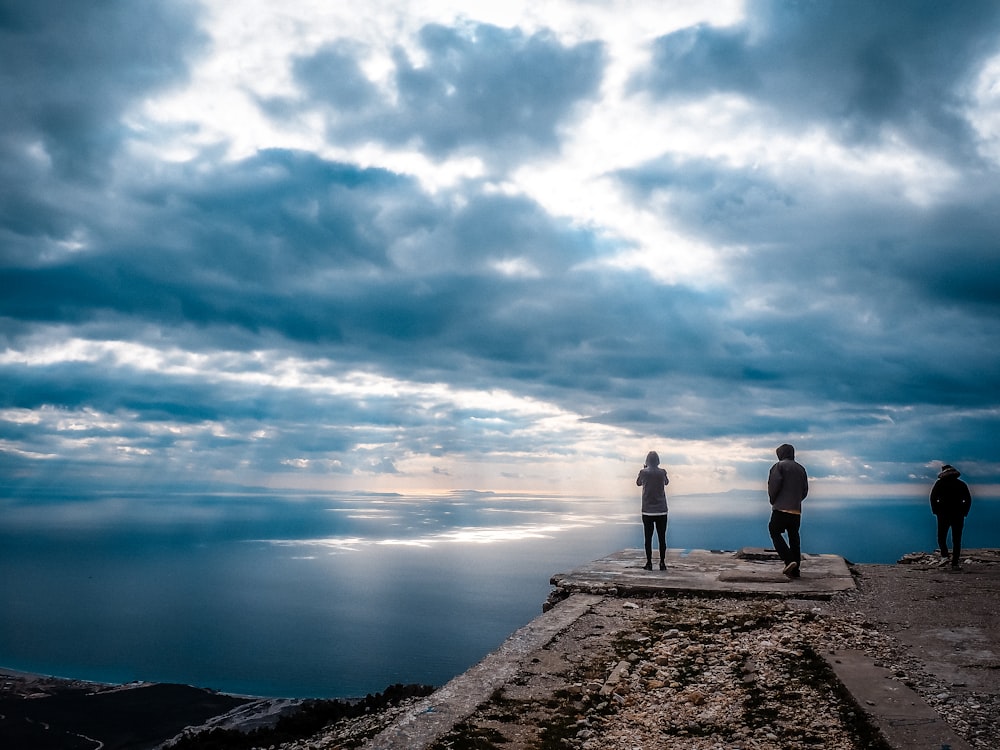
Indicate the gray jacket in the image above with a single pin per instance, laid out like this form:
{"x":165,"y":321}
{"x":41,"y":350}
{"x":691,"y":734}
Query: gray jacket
{"x":653,"y":481}
{"x":787,"y":483}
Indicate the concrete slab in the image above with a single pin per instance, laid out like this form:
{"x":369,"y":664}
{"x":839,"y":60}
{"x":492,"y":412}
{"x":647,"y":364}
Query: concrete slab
{"x":751,"y":571}
{"x":449,"y":705}
{"x":903,"y":717}
{"x":901,"y":596}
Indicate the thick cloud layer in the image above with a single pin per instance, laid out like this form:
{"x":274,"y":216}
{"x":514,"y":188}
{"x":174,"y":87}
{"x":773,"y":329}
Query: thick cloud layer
{"x":491,"y":92}
{"x":468,"y":252}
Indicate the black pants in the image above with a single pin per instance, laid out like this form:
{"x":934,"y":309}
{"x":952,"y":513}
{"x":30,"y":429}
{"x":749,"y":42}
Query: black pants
{"x":955,"y":524}
{"x":782,"y":523}
{"x":660,"y":522}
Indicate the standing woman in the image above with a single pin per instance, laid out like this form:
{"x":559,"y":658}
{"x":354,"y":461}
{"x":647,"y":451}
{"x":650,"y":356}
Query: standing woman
{"x":654,"y":481}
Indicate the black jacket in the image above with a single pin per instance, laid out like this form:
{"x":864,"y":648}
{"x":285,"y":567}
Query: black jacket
{"x":950,"y":496}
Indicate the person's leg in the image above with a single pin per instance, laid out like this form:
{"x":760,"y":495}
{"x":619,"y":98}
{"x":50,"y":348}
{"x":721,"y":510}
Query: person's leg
{"x":647,"y":534}
{"x":957,"y":524}
{"x":776,"y":527}
{"x":661,"y":533}
{"x":943,"y":525}
{"x":794,"y":541}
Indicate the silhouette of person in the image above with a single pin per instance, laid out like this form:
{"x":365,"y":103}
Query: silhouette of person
{"x":787,"y":487}
{"x":653,"y":481}
{"x":950,"y":502}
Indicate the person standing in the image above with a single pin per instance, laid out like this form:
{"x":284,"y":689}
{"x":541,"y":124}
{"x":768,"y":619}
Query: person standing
{"x":950,"y":502}
{"x":654,"y":481}
{"x":787,"y":487}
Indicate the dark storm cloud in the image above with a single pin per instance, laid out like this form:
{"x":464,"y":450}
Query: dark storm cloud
{"x":855,"y":67}
{"x":288,"y":245}
{"x":483,"y":90}
{"x":70,"y":70}
{"x":862,"y":289}
{"x":848,"y":234}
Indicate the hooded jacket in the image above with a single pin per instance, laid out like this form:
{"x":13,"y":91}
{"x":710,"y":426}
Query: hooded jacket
{"x":950,"y":496}
{"x":787,"y":483}
{"x":653,"y":481}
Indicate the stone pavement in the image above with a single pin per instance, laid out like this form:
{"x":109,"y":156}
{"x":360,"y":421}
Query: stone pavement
{"x":445,"y":708}
{"x":905,"y":720}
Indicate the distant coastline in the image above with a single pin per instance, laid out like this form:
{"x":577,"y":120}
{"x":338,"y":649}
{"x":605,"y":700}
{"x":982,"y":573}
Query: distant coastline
{"x":46,"y":711}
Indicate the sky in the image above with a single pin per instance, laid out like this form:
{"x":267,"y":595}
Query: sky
{"x":437,"y":246}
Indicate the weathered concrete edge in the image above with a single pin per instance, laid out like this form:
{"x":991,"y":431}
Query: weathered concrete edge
{"x":703,"y":573}
{"x":437,"y":714}
{"x":905,"y":720}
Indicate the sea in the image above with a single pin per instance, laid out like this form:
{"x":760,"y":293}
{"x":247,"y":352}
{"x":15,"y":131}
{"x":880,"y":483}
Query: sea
{"x":319,"y":595}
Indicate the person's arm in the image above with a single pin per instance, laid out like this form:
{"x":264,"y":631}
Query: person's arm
{"x":641,"y":479}
{"x":773,"y":483}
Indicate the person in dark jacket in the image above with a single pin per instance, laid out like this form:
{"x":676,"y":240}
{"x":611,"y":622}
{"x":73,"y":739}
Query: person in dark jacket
{"x":950,"y":502}
{"x":787,"y":487}
{"x":654,"y":481}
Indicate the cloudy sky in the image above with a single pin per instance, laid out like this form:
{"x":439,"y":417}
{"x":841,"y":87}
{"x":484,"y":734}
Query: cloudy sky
{"x":442,"y":245}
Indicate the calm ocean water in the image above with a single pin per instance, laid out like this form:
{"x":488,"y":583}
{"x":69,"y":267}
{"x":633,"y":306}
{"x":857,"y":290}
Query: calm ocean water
{"x":341,"y":595}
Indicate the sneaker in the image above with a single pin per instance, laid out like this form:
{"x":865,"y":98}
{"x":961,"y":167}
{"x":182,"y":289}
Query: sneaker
{"x":648,"y":566}
{"x":663,"y":566}
{"x":791,"y":569}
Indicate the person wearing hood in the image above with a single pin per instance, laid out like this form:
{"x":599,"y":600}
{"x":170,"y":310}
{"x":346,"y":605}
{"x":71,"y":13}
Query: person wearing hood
{"x":787,"y":487}
{"x":654,"y":481}
{"x":950,"y":502}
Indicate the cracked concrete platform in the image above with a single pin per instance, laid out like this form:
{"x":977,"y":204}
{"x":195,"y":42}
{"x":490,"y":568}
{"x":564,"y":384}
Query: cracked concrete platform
{"x":950,"y":621}
{"x":750,"y":571}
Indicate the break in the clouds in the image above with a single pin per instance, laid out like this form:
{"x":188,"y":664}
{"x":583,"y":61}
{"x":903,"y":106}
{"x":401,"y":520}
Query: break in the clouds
{"x":469,"y":247}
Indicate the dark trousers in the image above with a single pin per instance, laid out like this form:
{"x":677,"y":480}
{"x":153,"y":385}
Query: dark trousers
{"x":955,"y":524}
{"x":786,"y":523}
{"x":660,"y":522}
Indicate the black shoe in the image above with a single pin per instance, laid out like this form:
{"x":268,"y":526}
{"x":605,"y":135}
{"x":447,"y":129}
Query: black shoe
{"x":663,"y":565}
{"x":648,"y":566}
{"x":792,"y":569}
